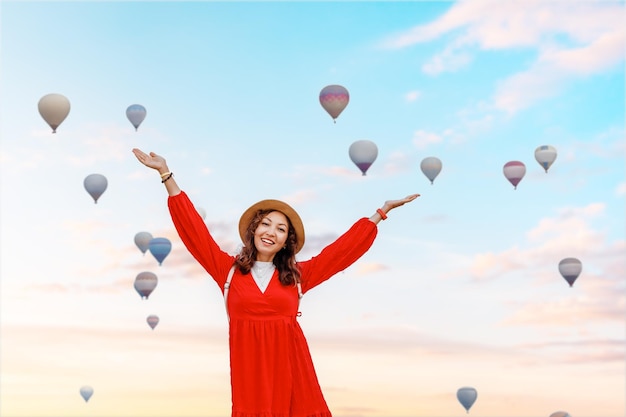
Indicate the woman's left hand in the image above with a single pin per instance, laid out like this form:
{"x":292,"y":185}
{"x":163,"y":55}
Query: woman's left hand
{"x":381,"y":213}
{"x":392,"y":204}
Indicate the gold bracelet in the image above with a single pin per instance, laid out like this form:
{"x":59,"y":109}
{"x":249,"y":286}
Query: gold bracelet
{"x":165,"y":174}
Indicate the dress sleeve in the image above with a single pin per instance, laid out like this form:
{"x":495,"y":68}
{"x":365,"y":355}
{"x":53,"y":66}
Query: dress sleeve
{"x":197,"y":239}
{"x":339,"y":255}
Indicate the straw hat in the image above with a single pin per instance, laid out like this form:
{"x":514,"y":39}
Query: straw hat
{"x":275,"y":205}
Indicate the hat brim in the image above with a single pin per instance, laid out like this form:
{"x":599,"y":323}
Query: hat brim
{"x":276,"y":205}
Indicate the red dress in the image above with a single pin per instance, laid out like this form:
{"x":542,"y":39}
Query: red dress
{"x":272,"y":374}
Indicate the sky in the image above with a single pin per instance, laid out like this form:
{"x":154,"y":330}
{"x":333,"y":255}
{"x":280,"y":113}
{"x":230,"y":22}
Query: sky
{"x":461,"y":287}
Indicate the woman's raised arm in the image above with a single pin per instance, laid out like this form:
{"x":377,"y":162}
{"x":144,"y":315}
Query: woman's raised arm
{"x":158,"y":163}
{"x":381,"y":213}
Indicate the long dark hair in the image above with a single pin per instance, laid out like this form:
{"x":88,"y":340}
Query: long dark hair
{"x":284,"y":260}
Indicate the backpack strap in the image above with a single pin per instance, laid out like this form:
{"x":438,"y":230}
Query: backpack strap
{"x":227,"y":287}
{"x":229,"y":278}
{"x":300,"y":295}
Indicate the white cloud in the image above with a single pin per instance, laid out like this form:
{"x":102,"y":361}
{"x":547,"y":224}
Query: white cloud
{"x":365,"y":268}
{"x":572,"y":39}
{"x":398,"y":162}
{"x":412,"y":95}
{"x":422,"y":139}
{"x":597,"y":298}
{"x":568,"y":311}
{"x":301,"y":196}
{"x":449,"y":60}
{"x":555,"y":66}
{"x":569,"y":233}
{"x":604,"y":52}
{"x":522,"y":89}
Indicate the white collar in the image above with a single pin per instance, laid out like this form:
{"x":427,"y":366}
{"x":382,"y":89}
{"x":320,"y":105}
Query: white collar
{"x":262,"y":272}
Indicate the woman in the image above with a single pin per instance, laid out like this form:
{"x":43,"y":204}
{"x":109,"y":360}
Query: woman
{"x":272,"y":374}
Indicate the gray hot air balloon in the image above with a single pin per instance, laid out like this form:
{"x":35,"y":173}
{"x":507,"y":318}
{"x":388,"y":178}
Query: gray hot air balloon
{"x":86,"y":392}
{"x":570,"y":269}
{"x":466,"y":396}
{"x":334,"y":99}
{"x":545,"y":156}
{"x":136,"y":113}
{"x":152,"y":320}
{"x":95,"y":184}
{"x":54,"y":108}
{"x":145,"y":283}
{"x":363,"y":153}
{"x":142,"y":240}
{"x":431,"y":167}
{"x":560,"y":414}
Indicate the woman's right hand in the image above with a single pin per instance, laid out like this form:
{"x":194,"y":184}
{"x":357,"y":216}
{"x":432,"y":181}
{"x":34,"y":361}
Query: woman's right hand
{"x":157,"y":162}
{"x":151,"y":160}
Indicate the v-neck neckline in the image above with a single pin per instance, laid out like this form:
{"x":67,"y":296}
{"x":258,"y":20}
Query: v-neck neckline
{"x":269,"y":281}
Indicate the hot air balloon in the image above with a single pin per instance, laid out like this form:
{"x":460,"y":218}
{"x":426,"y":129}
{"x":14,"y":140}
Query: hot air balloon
{"x":363,"y":153}
{"x":570,"y":269}
{"x":54,"y":108}
{"x":545,"y":155}
{"x":334,"y":98}
{"x":514,"y":171}
{"x":560,"y":414}
{"x":466,"y":396}
{"x":86,"y":392}
{"x":142,"y":240}
{"x":145,"y":283}
{"x":136,"y":113}
{"x":152,"y":321}
{"x":160,"y":247}
{"x":95,"y":184}
{"x":431,"y":167}
{"x":201,"y":212}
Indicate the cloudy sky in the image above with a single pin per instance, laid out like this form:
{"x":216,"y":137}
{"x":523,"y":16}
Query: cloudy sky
{"x":461,"y":287}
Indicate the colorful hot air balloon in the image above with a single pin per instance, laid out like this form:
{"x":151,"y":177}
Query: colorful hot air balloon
{"x":545,"y":155}
{"x":363,"y":153}
{"x":152,"y":321}
{"x":514,"y":171}
{"x":431,"y":167}
{"x":466,"y":396}
{"x":570,"y":269}
{"x":145,"y":283}
{"x":334,"y":98}
{"x":136,"y":113}
{"x":95,"y":184}
{"x":86,"y":392}
{"x":142,"y":240}
{"x":560,"y":414}
{"x":160,"y":247}
{"x":54,"y":108}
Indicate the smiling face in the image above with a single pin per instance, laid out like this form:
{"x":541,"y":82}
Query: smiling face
{"x":270,"y":235}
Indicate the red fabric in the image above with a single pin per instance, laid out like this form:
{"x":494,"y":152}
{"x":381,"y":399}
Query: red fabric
{"x":272,"y":374}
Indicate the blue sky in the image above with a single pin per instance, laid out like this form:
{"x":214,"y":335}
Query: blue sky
{"x":461,"y":287}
